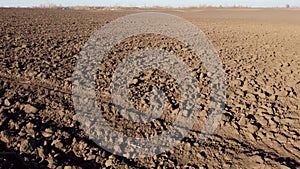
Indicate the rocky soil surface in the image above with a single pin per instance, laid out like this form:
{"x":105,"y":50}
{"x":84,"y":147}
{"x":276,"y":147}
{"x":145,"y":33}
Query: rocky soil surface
{"x":260,"y":127}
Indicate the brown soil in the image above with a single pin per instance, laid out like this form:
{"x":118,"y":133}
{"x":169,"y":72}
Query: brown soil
{"x":259,"y":48}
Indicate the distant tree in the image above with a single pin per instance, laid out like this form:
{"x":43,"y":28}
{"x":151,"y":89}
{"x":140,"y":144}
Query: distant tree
{"x":287,"y":6}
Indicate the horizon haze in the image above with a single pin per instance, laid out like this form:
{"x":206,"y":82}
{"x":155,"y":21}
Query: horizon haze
{"x":153,"y":3}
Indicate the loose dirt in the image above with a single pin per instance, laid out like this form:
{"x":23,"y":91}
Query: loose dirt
{"x":260,"y":127}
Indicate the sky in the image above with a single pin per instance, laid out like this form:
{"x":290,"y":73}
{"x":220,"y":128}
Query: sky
{"x":143,"y":3}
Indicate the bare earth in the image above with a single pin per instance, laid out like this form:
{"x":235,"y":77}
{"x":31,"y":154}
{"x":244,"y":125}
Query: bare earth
{"x":260,"y":128}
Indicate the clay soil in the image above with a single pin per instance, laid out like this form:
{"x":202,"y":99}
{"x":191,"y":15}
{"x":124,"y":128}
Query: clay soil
{"x":260,"y":126}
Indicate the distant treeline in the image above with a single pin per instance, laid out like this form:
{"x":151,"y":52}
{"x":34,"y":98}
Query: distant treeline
{"x":55,"y":6}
